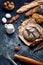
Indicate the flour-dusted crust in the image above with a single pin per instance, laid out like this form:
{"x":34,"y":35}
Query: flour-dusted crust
{"x":29,"y":22}
{"x":30,"y":5}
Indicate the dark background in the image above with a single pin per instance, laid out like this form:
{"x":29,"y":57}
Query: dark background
{"x":10,"y":41}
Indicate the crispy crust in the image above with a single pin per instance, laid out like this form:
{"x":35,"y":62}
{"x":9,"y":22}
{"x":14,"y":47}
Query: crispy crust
{"x":30,"y":22}
{"x":27,"y":7}
{"x":32,"y":11}
{"x":30,"y":5}
{"x":38,"y":18}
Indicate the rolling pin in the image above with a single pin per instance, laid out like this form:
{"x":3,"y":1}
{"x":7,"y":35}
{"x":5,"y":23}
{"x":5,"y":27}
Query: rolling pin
{"x":27,"y":60}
